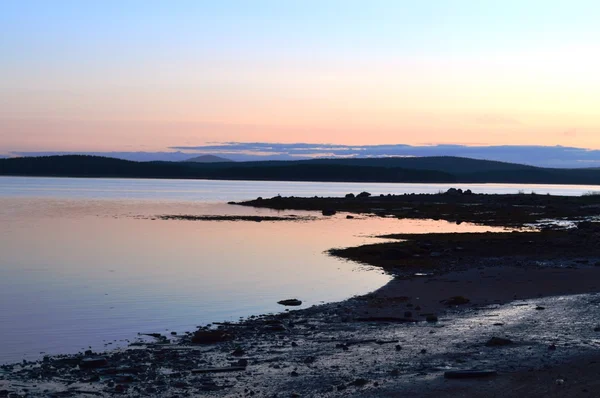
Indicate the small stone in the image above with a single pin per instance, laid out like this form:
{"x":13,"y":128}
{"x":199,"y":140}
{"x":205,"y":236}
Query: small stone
{"x":398,"y":347}
{"x":360,"y":382}
{"x":238,"y":352}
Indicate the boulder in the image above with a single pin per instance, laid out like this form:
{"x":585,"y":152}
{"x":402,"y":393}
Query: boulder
{"x":290,"y":302}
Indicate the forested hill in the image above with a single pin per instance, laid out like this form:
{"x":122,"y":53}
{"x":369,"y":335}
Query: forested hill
{"x":423,"y":169}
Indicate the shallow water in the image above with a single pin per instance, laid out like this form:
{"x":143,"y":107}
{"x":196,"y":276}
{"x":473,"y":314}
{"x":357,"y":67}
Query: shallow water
{"x":88,"y":266}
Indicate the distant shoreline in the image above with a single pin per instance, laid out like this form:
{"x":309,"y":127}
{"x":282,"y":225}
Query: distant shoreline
{"x":380,"y":170}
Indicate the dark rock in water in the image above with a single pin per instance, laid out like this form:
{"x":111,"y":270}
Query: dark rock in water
{"x":350,"y":196}
{"x":328,"y":212}
{"x":363,"y":194}
{"x":498,"y":342}
{"x":597,"y":329}
{"x":211,"y":336}
{"x":93,"y":363}
{"x":457,"y":300}
{"x":290,"y":302}
{"x":540,"y":308}
{"x":469,"y":373}
{"x":349,"y":217}
{"x":552,"y":347}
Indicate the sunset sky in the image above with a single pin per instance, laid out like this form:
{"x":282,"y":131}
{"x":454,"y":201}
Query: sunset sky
{"x":151,"y":75}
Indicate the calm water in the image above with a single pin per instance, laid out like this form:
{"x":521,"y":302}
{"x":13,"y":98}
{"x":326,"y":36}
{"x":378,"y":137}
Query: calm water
{"x":80,"y":268}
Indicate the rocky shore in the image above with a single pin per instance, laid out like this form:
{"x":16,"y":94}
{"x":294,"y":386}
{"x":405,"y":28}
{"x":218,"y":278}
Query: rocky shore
{"x":509,"y":314}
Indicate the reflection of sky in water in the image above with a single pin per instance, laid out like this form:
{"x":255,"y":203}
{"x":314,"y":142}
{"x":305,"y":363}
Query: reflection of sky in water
{"x":222,"y":191}
{"x":76,"y":272}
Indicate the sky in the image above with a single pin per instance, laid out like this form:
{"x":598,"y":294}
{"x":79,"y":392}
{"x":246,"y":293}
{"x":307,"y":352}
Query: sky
{"x":155,"y":75}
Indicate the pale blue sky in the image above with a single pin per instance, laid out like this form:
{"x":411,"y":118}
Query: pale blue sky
{"x":297,"y":65}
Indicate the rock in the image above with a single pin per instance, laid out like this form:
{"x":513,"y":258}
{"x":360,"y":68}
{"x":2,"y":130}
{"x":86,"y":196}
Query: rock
{"x":328,"y":212}
{"x":349,"y":217}
{"x":457,"y":300}
{"x":309,"y":360}
{"x":469,"y":373}
{"x":360,"y":382}
{"x":453,"y":192}
{"x":540,"y":308}
{"x":552,"y":347}
{"x":398,"y":347}
{"x":124,"y":378}
{"x":238,"y":352}
{"x":120,"y":388}
{"x":431,"y":318}
{"x":498,"y":342}
{"x":363,"y":194}
{"x":211,"y":336}
{"x":294,"y":374}
{"x":290,"y":302}
{"x":350,"y":196}
{"x":93,"y":363}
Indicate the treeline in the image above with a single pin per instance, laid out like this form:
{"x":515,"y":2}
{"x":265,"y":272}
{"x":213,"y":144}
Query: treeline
{"x":425,"y":169}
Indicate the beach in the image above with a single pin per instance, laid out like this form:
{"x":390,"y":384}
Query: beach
{"x":518,"y":309}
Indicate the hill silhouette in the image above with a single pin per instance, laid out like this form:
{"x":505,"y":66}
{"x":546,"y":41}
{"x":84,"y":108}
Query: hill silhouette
{"x":424,"y":169}
{"x":208,"y":159}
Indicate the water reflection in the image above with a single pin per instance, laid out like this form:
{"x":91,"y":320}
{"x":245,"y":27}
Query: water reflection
{"x":76,"y":273}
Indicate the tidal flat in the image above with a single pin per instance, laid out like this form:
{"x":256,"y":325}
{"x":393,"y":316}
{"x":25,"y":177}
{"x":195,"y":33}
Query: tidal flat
{"x":523,"y":304}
